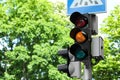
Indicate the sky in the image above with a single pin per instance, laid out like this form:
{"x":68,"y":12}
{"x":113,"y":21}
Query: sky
{"x":110,"y":6}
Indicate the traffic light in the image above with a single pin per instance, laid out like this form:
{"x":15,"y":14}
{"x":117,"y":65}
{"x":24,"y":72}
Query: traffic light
{"x":72,"y":68}
{"x":85,"y":46}
{"x":81,"y":34}
{"x":64,"y":67}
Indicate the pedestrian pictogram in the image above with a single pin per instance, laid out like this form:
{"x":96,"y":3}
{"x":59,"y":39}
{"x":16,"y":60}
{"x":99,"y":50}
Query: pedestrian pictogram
{"x":84,"y":3}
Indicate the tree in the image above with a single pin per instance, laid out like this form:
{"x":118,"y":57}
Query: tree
{"x":109,"y":69}
{"x":32,"y":32}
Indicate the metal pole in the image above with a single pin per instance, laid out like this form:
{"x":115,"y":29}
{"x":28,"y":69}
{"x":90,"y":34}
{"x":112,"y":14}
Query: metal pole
{"x":87,"y":70}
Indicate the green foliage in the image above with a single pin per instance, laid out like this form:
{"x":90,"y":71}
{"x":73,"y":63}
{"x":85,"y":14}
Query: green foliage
{"x":33,"y":31}
{"x":56,"y":76}
{"x":112,"y":29}
{"x":108,"y":69}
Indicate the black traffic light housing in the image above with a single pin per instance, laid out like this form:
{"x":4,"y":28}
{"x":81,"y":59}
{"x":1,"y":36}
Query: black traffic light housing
{"x":72,"y":68}
{"x":64,"y":67}
{"x":83,"y":48}
{"x":81,"y":34}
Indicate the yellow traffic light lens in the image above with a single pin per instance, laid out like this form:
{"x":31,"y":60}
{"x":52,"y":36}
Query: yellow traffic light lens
{"x":80,"y":37}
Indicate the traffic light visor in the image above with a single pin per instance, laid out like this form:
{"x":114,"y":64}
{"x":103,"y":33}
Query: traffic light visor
{"x":78,"y":19}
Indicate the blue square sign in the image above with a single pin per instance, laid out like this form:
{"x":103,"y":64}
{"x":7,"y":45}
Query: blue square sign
{"x":86,"y":6}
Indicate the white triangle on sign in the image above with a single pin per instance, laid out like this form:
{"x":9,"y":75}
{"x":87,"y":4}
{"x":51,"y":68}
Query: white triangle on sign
{"x":84,"y":3}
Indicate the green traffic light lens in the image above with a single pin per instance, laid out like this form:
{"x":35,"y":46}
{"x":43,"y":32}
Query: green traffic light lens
{"x":80,"y":54}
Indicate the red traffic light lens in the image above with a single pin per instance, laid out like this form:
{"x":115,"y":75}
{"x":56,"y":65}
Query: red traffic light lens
{"x":80,"y":23}
{"x":80,"y":20}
